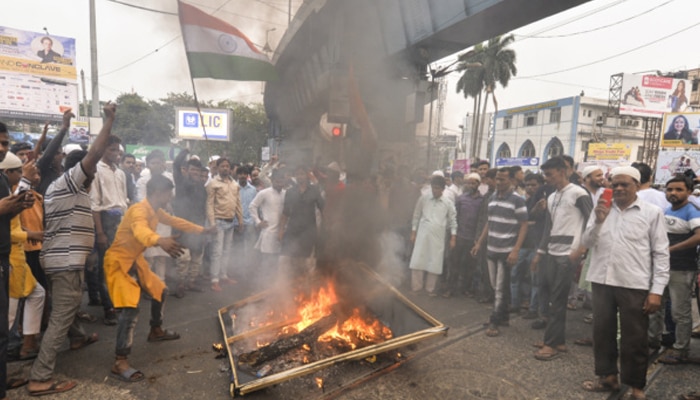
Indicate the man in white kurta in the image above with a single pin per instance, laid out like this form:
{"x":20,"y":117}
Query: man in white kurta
{"x":433,"y":216}
{"x":266,"y":210}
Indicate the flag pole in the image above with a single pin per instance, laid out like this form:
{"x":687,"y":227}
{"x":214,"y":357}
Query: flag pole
{"x":207,"y":147}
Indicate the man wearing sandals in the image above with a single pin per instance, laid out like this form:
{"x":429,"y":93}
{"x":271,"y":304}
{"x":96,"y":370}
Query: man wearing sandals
{"x":127,"y":271}
{"x":567,"y":212}
{"x":629,"y":270}
{"x":68,"y":239}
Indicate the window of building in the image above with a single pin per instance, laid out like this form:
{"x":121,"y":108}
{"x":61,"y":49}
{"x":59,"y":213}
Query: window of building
{"x":507,"y":122}
{"x":527,"y":150}
{"x":590,"y":113}
{"x":555,"y":115}
{"x":695,"y":85}
{"x":530,"y":118}
{"x":503,"y":151}
{"x":554,"y":148}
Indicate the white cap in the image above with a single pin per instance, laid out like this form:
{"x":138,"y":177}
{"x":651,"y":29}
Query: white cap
{"x":589,"y":170}
{"x":438,"y":173}
{"x":214,"y":158}
{"x":473,"y":175}
{"x":11,"y":161}
{"x":334,"y":167}
{"x":71,"y":147}
{"x":629,"y":171}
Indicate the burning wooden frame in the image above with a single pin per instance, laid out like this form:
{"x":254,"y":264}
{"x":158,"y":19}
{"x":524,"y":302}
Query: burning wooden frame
{"x":408,"y":324}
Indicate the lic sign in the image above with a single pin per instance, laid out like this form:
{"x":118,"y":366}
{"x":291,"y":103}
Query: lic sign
{"x":212,"y":124}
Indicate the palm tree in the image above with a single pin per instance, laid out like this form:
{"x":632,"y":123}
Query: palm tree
{"x":497,"y":66}
{"x":471,"y":83}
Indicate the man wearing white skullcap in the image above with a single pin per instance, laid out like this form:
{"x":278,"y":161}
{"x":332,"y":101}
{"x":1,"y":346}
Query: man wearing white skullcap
{"x":629,"y":270}
{"x":593,"y":181}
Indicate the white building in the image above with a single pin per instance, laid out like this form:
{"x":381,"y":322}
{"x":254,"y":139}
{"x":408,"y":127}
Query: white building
{"x":564,"y":126}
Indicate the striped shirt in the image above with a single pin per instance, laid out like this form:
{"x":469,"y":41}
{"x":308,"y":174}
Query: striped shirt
{"x":505,"y":214}
{"x":69,"y":233}
{"x":681,"y":225}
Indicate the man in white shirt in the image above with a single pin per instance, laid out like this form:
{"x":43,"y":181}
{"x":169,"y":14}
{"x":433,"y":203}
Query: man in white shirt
{"x":266,"y":210}
{"x":629,"y":271}
{"x":108,"y":199}
{"x":648,"y":193}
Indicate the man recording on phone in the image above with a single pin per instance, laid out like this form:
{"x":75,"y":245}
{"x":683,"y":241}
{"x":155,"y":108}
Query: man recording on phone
{"x":629,"y":270}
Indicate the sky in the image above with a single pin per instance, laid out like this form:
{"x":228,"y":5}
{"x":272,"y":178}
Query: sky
{"x":142,"y":51}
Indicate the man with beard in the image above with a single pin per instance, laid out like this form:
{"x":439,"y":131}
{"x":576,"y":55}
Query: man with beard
{"x":460,"y":276}
{"x":683,"y":226}
{"x":629,"y":270}
{"x":593,"y":181}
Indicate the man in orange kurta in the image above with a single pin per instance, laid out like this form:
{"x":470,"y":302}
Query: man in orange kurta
{"x":127,"y":271}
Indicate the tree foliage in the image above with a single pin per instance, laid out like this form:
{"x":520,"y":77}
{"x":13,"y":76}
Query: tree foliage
{"x":153,"y":123}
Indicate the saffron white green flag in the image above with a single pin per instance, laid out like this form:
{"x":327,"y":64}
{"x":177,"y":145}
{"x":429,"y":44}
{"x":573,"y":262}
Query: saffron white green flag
{"x":217,"y":50}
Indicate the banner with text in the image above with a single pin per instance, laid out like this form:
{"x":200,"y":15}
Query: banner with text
{"x":190,"y":126}
{"x":38,"y":78}
{"x":652,"y":96}
{"x":609,"y":151}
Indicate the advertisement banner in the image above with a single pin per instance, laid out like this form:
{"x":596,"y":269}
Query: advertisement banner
{"x":461,"y":165}
{"x":680,"y":130}
{"x":609,"y":151}
{"x":38,"y":78}
{"x":652,"y":96}
{"x":79,"y":131}
{"x":38,"y":54}
{"x":140,"y":151}
{"x":520,"y":161}
{"x":191,"y":127}
{"x":672,"y":162}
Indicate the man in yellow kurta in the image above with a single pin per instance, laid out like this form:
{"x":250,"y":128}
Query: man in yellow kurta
{"x":127,"y":271}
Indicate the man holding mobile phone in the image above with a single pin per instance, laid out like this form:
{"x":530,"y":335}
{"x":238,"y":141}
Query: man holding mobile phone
{"x":629,"y":270}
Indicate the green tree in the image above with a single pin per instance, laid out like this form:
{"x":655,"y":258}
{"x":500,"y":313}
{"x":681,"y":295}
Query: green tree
{"x":138,"y":123}
{"x":497,"y":67}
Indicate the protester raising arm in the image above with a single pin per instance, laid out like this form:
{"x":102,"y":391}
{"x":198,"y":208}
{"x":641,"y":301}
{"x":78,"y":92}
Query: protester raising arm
{"x":99,"y":146}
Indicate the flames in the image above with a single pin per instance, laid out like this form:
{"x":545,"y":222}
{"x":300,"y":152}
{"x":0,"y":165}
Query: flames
{"x":352,"y":331}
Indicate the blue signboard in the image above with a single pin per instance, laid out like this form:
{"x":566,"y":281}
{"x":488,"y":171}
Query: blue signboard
{"x":520,"y":161}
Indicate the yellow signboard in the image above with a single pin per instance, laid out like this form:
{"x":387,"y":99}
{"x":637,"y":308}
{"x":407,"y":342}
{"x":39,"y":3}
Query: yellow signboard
{"x":609,"y":151}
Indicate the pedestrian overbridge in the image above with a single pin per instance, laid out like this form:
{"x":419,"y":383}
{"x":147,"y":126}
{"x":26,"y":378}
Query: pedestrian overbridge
{"x":387,"y":44}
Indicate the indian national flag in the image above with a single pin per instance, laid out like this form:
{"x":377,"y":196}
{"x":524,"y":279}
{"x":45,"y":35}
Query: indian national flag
{"x":217,"y":50}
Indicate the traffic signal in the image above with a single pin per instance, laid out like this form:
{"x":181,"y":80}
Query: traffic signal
{"x":337,"y":131}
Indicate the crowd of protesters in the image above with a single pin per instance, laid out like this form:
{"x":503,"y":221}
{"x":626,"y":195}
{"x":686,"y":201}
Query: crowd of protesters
{"x":539,"y":244}
{"x":536,"y":244}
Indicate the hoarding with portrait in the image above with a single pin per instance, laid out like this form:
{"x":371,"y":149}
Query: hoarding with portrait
{"x":38,"y":78}
{"x":671,"y":162}
{"x":652,"y":96}
{"x":191,"y":126}
{"x":680,"y":130}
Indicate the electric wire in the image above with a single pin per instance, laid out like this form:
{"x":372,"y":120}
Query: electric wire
{"x":598,"y":28}
{"x":612,"y":56}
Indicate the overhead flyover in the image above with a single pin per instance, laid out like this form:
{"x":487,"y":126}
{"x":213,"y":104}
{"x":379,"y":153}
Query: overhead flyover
{"x":388,"y":45}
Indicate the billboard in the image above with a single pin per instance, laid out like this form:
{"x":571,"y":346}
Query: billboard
{"x":519,"y":161}
{"x":680,"y":130}
{"x":191,"y":127}
{"x":672,"y":162}
{"x":79,"y":131}
{"x":652,"y":96}
{"x":609,"y":151}
{"x":38,"y":78}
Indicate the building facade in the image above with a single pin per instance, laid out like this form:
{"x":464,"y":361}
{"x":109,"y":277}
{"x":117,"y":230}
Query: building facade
{"x":563,"y":126}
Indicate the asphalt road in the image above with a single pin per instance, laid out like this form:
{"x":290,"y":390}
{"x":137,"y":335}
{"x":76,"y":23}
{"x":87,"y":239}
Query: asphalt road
{"x":464,"y":364}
